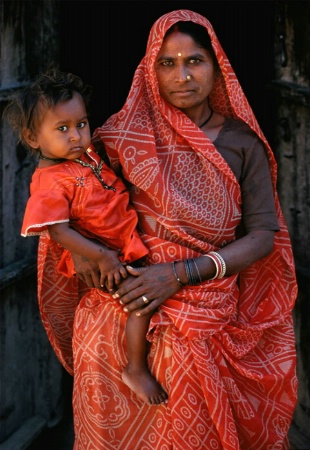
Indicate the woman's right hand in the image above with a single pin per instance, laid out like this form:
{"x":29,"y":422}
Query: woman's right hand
{"x":148,"y":288}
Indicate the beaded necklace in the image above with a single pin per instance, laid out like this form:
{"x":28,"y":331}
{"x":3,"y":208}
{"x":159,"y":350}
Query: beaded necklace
{"x":96,"y":172}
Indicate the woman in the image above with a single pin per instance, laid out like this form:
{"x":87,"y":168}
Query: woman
{"x":220,"y":278}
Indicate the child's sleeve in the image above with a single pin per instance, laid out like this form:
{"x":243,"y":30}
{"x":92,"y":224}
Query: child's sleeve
{"x":44,"y":208}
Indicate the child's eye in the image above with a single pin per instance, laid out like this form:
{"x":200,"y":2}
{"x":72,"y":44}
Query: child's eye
{"x":82,"y":124}
{"x":63,"y":128}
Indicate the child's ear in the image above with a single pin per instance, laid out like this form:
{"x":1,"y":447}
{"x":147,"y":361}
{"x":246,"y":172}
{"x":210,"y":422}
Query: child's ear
{"x":30,"y":138}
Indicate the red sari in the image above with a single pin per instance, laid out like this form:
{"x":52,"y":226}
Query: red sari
{"x":224,"y":350}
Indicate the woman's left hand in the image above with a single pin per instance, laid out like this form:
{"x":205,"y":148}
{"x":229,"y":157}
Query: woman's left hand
{"x":151,"y":286}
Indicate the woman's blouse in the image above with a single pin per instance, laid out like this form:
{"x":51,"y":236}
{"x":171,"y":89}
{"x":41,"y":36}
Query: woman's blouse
{"x":245,"y":154}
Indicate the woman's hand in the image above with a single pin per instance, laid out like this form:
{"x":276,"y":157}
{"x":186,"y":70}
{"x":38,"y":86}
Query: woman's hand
{"x":154,"y":284}
{"x":151,"y":286}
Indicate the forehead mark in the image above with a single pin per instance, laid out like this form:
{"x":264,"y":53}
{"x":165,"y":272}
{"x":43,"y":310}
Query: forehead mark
{"x":179,"y":54}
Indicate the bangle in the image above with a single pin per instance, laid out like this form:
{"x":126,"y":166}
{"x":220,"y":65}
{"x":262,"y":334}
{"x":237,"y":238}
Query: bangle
{"x":176,"y":275}
{"x":222,"y":263}
{"x":197,"y":270}
{"x":193,"y":278}
{"x":219,"y":264}
{"x":189,"y":272}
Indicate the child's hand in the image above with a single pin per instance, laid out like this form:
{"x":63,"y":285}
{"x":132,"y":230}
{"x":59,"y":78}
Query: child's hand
{"x":113,"y":278}
{"x":112,"y":271}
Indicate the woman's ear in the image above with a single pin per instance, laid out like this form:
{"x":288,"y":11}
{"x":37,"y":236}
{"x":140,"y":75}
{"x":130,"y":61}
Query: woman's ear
{"x":30,"y":138}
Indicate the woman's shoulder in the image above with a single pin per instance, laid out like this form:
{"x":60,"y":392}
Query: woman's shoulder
{"x":236,"y":130}
{"x":237,"y":125}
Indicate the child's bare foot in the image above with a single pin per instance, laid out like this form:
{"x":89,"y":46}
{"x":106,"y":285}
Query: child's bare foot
{"x":142,"y":383}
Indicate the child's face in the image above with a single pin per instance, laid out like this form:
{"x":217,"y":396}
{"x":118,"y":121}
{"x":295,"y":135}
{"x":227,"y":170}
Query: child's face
{"x":64,"y":130}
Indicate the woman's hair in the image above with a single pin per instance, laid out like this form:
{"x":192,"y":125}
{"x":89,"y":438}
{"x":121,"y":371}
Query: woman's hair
{"x":198,"y":33}
{"x":24,"y":111}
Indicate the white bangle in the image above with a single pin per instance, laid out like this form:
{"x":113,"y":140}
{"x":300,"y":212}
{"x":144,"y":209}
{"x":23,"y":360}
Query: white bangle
{"x":222,"y":262}
{"x":217,"y":266}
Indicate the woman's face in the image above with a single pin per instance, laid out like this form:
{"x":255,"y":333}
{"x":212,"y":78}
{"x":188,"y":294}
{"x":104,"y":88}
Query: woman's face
{"x":179,"y":58}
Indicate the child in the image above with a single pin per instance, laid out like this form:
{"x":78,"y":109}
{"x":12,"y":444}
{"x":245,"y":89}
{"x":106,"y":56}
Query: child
{"x":79,"y":200}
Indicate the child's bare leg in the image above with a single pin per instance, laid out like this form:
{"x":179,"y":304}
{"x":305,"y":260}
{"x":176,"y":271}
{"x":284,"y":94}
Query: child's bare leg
{"x":137,"y":375}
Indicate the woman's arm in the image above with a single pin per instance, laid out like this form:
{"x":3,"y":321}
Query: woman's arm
{"x":158,"y":282}
{"x":99,"y":258}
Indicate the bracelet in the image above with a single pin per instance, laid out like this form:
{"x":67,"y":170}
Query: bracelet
{"x":189,"y":272}
{"x":222,"y":263}
{"x":197,"y":270}
{"x":219,"y":264}
{"x":193,"y":279}
{"x":176,"y":275}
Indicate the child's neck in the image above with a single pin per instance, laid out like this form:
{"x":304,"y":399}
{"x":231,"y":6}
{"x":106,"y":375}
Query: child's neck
{"x":44,"y":161}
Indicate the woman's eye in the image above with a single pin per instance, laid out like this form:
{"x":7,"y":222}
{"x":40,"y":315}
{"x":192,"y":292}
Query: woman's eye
{"x":63,"y":128}
{"x":166,"y":63}
{"x":194,"y":61}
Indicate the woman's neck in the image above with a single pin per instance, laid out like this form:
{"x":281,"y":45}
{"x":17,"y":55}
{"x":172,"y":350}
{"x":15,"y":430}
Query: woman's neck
{"x":201,"y":115}
{"x":214,"y":129}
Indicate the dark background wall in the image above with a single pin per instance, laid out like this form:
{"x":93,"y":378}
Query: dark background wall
{"x":103,"y":42}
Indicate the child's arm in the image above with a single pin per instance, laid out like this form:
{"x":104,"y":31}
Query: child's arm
{"x":111,"y":269}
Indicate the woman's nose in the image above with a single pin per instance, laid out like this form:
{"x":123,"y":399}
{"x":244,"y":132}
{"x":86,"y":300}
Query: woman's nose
{"x":181,"y":73}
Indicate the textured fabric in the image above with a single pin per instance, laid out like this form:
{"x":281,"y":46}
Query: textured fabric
{"x":69,"y":192}
{"x":224,"y":351}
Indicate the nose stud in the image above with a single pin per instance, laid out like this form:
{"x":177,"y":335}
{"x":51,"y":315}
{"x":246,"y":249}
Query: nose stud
{"x":188,"y":77}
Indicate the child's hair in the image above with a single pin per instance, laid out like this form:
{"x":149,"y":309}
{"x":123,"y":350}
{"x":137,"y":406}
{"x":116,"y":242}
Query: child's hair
{"x":24,"y":111}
